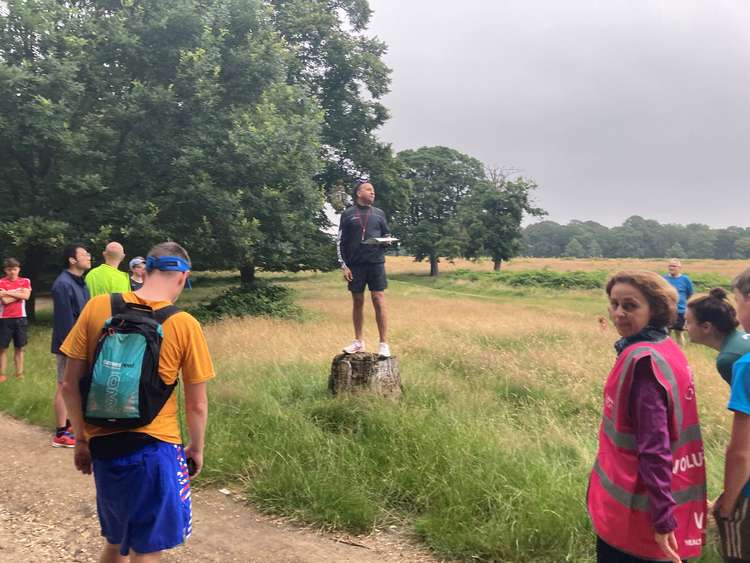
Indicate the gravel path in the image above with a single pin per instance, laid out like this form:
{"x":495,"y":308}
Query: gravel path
{"x":48,"y":513}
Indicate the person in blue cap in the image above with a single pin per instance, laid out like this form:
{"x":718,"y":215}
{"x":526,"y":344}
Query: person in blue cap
{"x":137,"y":267}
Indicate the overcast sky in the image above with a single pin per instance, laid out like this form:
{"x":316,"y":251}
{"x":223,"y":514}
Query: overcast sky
{"x":614,"y":107}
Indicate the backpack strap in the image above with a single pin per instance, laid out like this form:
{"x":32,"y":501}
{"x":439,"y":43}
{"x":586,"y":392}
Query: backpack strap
{"x":117,"y":303}
{"x":161,"y":315}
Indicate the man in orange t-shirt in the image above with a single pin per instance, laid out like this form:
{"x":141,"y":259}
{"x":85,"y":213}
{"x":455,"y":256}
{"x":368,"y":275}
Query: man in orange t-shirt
{"x":141,"y":475}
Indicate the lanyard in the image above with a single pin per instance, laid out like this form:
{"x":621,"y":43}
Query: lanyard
{"x":362,"y":225}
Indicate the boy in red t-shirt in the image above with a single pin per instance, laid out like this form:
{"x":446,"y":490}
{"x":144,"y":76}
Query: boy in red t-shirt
{"x":14,"y":292}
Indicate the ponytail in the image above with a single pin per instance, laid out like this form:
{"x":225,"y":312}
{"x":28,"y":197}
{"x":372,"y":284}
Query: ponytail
{"x":716,"y":309}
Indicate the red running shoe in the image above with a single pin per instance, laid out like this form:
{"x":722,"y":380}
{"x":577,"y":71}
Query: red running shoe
{"x":65,"y":440}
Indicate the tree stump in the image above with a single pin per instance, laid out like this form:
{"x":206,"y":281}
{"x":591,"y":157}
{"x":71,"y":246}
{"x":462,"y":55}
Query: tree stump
{"x":365,"y":372}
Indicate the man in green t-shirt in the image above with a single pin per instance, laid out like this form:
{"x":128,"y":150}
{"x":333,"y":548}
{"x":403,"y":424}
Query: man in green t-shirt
{"x":107,"y":278}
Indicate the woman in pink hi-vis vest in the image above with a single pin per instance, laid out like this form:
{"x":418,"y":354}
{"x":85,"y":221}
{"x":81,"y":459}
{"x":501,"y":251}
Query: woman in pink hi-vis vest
{"x":647,"y":490}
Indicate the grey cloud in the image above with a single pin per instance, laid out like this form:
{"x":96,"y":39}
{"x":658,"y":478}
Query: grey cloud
{"x":615,"y":107}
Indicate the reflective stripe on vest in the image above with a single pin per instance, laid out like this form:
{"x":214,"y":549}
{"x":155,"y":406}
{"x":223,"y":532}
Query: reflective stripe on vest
{"x":639,"y":501}
{"x":627,"y":441}
{"x":665,"y":369}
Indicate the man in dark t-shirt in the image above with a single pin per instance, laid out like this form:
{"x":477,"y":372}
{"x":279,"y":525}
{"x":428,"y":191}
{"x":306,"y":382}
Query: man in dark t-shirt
{"x":363,"y":263}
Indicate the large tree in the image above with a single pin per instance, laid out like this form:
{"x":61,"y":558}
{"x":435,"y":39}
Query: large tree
{"x":491,"y":216}
{"x":343,"y":68}
{"x":440,"y":178}
{"x":217,"y":123}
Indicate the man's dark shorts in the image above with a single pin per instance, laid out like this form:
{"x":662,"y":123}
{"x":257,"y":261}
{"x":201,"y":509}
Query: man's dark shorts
{"x":679,"y":324}
{"x":371,"y":275}
{"x":15,"y":330}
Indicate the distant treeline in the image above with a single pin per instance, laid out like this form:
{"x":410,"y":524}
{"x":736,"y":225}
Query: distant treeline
{"x":635,"y":238}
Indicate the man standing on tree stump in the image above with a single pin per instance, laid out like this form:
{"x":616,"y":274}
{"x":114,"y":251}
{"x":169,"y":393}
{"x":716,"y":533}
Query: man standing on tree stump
{"x":364,"y":264}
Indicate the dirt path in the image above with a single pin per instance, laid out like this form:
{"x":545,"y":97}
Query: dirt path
{"x":48,"y":513}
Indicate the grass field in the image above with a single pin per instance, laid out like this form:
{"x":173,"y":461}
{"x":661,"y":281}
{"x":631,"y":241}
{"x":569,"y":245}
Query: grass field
{"x":487,"y":455}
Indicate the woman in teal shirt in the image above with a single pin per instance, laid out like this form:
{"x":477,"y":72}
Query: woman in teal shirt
{"x":712,"y":321}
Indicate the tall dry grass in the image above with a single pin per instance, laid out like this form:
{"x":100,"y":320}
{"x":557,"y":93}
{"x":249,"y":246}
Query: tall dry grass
{"x":485,"y":458}
{"x":518,"y":378}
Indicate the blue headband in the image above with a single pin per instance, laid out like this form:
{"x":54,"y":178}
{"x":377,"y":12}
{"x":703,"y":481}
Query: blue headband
{"x":167,"y":264}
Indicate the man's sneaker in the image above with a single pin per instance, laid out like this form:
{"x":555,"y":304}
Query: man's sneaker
{"x":384,"y":351}
{"x":354,"y":347}
{"x":64,"y":440}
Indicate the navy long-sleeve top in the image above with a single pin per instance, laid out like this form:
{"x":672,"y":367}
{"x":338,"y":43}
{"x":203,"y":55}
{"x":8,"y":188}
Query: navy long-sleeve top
{"x":359,"y":223}
{"x":69,"y":295}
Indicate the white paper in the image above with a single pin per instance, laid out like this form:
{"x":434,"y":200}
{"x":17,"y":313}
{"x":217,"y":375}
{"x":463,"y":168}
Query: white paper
{"x":380,"y":240}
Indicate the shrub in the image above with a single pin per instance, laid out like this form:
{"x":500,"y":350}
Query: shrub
{"x":539,"y":278}
{"x":705,"y":281}
{"x":259,"y":299}
{"x":558,"y":280}
{"x":552,"y":279}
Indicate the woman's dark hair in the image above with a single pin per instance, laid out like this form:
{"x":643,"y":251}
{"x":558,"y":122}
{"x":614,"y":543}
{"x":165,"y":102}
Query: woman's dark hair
{"x":71,"y":251}
{"x":742,"y":282}
{"x":661,"y":297}
{"x":716,"y":309}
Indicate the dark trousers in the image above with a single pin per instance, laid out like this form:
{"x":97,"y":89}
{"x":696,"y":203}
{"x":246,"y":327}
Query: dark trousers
{"x":605,"y":553}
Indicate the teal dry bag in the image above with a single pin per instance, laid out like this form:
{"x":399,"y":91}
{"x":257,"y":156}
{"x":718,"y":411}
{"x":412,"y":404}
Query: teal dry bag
{"x":124,"y":388}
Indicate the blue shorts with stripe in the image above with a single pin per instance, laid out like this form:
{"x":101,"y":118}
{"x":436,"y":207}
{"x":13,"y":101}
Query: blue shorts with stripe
{"x":143,"y":498}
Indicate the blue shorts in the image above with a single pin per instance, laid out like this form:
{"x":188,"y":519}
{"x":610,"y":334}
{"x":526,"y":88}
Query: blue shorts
{"x":143,"y":498}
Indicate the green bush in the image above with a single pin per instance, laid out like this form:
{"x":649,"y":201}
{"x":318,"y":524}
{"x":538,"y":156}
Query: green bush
{"x":539,"y":278}
{"x":703,"y":282}
{"x":596,"y":279}
{"x":259,"y":299}
{"x":558,"y":280}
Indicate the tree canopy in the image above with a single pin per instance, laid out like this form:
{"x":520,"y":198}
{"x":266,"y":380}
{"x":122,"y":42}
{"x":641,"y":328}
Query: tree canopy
{"x":441,"y":178}
{"x":217,"y":123}
{"x":457,"y":207}
{"x":491,"y":217}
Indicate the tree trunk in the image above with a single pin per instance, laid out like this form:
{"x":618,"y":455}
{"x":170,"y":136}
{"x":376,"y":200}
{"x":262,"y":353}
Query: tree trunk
{"x":497,"y":265}
{"x":31,"y":305}
{"x":365,"y":372}
{"x":30,"y":269}
{"x":247,"y":274}
{"x":434,"y":271}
